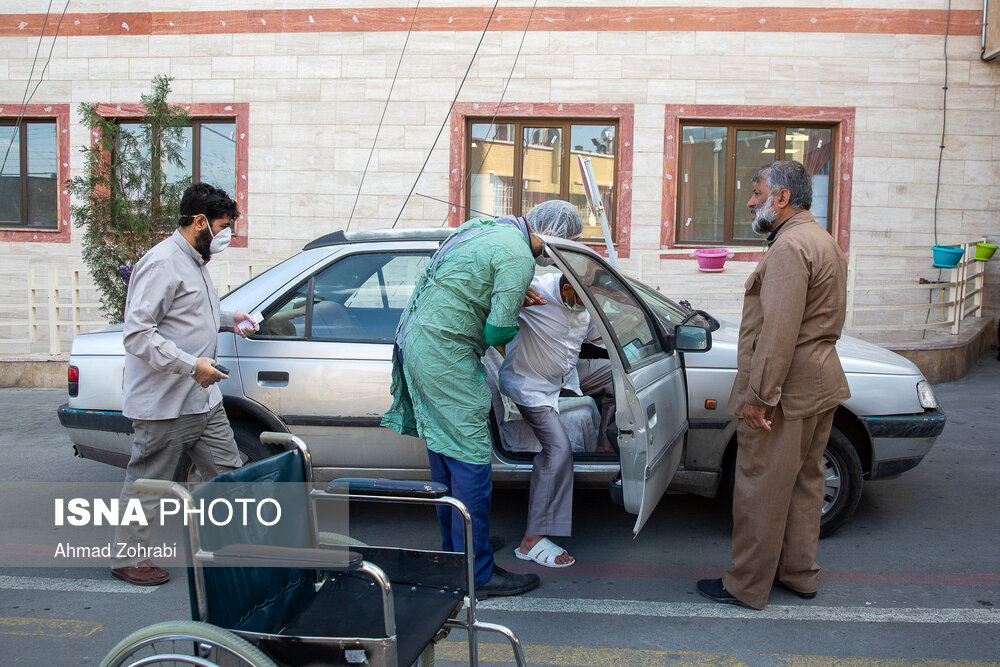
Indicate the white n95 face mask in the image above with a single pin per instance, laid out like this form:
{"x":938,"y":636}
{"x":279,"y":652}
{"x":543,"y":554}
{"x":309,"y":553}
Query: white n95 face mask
{"x":221,"y":240}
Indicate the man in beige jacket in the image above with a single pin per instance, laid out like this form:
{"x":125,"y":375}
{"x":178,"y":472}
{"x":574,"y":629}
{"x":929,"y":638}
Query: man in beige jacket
{"x":789,"y":382}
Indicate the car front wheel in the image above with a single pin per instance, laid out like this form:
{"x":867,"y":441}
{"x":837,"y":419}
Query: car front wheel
{"x":842,"y":481}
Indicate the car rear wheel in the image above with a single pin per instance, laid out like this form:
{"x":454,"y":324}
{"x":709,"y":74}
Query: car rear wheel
{"x":248,"y":444}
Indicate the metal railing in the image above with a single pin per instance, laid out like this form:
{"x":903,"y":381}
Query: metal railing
{"x":46,"y":303}
{"x":889,"y":282}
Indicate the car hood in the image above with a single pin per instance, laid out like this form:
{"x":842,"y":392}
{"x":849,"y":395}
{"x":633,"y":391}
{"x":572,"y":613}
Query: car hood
{"x":856,"y":356}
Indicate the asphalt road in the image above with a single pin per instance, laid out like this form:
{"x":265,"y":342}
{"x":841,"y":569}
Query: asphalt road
{"x":912,"y":579}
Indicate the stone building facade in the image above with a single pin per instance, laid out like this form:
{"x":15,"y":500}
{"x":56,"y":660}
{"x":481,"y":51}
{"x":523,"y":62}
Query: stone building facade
{"x":674,"y":105}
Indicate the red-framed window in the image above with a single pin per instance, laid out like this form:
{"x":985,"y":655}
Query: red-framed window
{"x":525,"y":134}
{"x":710,"y":152}
{"x":34,"y":201}
{"x":217,"y":150}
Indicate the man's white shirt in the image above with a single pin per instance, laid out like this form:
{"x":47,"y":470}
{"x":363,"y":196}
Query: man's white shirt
{"x":542,"y":358}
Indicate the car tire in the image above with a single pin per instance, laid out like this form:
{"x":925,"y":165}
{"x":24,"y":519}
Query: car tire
{"x":842,"y":482}
{"x":247,"y":437}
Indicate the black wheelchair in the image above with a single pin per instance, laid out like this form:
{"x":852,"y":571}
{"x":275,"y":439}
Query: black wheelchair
{"x":293,"y":596}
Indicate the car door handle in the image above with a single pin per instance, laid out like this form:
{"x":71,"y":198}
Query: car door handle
{"x":272,"y":378}
{"x":651,"y":415}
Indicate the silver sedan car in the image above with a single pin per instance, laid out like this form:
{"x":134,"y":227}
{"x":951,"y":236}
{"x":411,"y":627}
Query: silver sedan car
{"x":320,"y":368}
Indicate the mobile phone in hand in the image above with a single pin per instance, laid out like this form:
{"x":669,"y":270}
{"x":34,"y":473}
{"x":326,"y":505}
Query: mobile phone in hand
{"x":222,"y":369}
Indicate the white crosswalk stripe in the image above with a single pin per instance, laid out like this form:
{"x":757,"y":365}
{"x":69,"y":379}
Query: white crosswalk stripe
{"x":867,"y":614}
{"x":71,"y":585}
{"x":771,"y":613}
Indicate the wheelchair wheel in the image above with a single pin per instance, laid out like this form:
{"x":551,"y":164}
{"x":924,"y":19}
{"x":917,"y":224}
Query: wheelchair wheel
{"x":200,"y":643}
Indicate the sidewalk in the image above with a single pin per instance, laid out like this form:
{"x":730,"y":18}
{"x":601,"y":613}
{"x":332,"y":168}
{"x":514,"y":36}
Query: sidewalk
{"x":33,"y":371}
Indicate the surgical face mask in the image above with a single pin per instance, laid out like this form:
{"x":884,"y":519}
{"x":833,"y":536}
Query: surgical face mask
{"x":576,"y":308}
{"x":221,"y":240}
{"x":542,"y":260}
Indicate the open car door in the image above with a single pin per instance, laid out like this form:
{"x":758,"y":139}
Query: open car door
{"x":651,"y":408}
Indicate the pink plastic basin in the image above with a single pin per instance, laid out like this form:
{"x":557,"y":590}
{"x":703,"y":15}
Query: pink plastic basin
{"x":711,"y":259}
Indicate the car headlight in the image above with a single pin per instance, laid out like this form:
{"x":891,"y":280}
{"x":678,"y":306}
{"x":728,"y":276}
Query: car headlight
{"x":926,"y":395}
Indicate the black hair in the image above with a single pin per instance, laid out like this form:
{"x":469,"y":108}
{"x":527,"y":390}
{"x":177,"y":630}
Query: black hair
{"x":207,"y":199}
{"x":562,"y":282}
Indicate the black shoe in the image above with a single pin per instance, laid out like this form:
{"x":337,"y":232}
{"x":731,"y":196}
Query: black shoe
{"x":497,"y":542}
{"x":804,"y":596}
{"x":714,"y":590}
{"x":507,"y":583}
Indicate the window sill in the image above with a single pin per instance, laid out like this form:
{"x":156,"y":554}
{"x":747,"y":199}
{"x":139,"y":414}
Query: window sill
{"x":740,"y":253}
{"x":687,"y":248}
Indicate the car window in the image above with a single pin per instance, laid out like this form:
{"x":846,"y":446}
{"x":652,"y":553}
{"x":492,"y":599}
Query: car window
{"x":357,"y":298}
{"x":630,"y":324}
{"x":669,"y":312}
{"x":288,"y":320}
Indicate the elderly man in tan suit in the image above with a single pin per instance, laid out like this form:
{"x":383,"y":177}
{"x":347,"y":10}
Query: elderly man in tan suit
{"x":789,"y":382}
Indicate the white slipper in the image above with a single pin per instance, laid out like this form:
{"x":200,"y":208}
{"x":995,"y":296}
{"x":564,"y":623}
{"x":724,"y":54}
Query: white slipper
{"x":544,"y":553}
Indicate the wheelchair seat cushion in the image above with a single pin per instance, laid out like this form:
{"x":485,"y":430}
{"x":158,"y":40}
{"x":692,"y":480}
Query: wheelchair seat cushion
{"x":349,"y":606}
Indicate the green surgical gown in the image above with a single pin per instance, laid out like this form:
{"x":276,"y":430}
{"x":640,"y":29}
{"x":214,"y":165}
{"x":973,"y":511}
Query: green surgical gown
{"x":439,"y":391}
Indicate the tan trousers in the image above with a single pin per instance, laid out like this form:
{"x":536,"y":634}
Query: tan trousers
{"x":156,"y":452}
{"x":777,"y":506}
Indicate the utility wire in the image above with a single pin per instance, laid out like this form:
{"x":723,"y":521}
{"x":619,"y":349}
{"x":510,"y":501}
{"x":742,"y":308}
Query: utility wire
{"x":384,"y":109}
{"x":448,"y":114}
{"x":51,"y":48}
{"x":944,"y":124}
{"x":937,"y":187}
{"x":513,"y":66}
{"x":27,"y":85}
{"x":451,"y":203}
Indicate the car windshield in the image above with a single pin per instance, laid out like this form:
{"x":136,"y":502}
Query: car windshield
{"x":671,"y":312}
{"x":255,"y":277}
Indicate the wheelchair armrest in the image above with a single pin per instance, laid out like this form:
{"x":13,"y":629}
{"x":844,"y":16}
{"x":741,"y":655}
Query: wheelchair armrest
{"x":265,"y":555}
{"x":365,"y":486}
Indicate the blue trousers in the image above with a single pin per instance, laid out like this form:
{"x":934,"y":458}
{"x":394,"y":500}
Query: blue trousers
{"x":473,"y":485}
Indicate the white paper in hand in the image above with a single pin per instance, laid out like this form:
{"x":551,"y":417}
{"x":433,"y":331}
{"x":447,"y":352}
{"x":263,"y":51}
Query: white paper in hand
{"x":247,"y":326}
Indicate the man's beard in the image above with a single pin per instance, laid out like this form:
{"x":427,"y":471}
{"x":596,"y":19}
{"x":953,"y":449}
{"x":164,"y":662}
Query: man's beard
{"x":203,"y":244}
{"x":764,"y":216}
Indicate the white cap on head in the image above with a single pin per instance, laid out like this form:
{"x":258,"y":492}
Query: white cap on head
{"x":555,"y":218}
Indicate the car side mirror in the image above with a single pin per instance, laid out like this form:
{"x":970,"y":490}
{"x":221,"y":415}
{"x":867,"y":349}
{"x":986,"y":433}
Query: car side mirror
{"x":692,"y":338}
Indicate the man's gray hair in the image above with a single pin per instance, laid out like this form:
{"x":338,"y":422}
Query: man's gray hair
{"x":789,"y":175}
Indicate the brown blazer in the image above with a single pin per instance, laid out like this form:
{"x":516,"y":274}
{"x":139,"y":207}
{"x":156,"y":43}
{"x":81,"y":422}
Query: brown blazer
{"x":793,"y":313}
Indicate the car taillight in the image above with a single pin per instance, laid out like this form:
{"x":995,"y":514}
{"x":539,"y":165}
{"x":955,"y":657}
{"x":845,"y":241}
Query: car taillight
{"x":73,"y":376}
